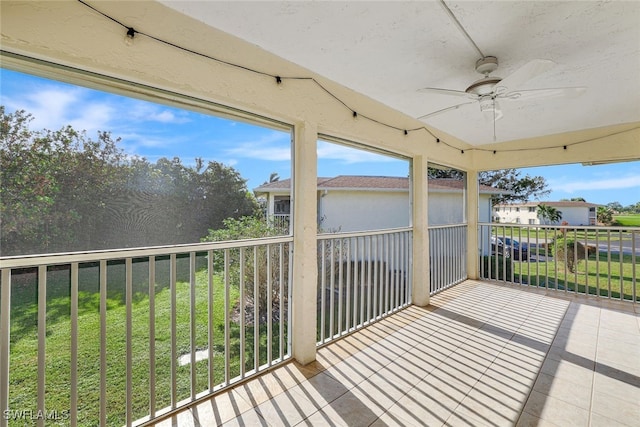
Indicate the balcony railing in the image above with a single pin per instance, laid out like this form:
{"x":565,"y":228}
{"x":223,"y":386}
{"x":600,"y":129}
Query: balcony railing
{"x":362,"y":277}
{"x":119,"y":337}
{"x":448,"y":256}
{"x":600,"y":261}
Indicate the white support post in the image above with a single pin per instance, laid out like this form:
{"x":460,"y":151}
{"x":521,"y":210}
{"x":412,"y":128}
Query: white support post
{"x":420,"y":223}
{"x":472,"y":209}
{"x":305,"y":268}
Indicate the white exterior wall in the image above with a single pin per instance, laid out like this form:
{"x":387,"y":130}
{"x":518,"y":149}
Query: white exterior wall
{"x":363,"y":210}
{"x":517,"y":215}
{"x":575,"y":216}
{"x":358,"y":210}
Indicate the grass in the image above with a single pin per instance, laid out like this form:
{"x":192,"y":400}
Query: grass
{"x":628,"y":220}
{"x":592,"y":276}
{"x":24,"y":341}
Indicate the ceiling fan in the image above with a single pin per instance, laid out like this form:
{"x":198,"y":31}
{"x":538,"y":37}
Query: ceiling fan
{"x":488,"y":90}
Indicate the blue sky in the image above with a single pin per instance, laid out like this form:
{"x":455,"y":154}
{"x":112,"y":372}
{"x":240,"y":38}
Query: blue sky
{"x":153,"y":131}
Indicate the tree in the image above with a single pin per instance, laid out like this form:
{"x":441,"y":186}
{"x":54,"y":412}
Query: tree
{"x":521,"y":189}
{"x":63,"y":191}
{"x":549,"y":214}
{"x":54,"y":185}
{"x":574,"y":199}
{"x":615,"y":206}
{"x":605,"y":215}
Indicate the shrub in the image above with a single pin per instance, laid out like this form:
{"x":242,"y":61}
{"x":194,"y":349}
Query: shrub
{"x":570,"y":252}
{"x":505,"y":267}
{"x":253,"y":228}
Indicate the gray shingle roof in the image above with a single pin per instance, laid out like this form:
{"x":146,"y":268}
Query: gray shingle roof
{"x":375,"y":183}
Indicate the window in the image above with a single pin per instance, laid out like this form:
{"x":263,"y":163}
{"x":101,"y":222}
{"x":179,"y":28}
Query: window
{"x":532,"y":208}
{"x":517,"y":220}
{"x":517,"y":209}
{"x":282,"y":206}
{"x":532,"y":221}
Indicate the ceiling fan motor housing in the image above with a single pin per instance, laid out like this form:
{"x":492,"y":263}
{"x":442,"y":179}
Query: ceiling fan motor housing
{"x":487,"y":65}
{"x":485,"y":85}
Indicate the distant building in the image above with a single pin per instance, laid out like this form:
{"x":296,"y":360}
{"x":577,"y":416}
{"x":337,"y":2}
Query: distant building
{"x":574,"y":213}
{"x":358,"y":203}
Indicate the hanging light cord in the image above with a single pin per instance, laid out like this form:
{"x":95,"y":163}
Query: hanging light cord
{"x":131,"y":32}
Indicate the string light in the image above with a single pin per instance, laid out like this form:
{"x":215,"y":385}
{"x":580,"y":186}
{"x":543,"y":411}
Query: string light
{"x":128,"y":38}
{"x":131,"y":32}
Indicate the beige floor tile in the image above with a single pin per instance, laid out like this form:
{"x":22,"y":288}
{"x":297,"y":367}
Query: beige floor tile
{"x":323,"y":418}
{"x":489,"y":409}
{"x":182,"y":419}
{"x":618,"y":384}
{"x":598,"y":420}
{"x":528,"y":420}
{"x":388,"y":419}
{"x":557,"y":411}
{"x":286,"y":409}
{"x":355,"y":409}
{"x":220,"y":409}
{"x":581,"y":376}
{"x":251,"y":418}
{"x":564,"y":390}
{"x":320,"y":389}
{"x":611,"y":407}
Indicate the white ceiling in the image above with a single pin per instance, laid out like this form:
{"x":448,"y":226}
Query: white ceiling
{"x":389,"y":50}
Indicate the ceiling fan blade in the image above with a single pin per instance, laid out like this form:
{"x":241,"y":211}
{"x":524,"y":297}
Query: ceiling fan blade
{"x":453,"y":107}
{"x":448,"y":92}
{"x":523,"y":74}
{"x":561,"y":92}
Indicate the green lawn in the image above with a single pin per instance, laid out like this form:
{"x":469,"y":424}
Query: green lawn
{"x":24,"y":341}
{"x":628,"y":220}
{"x":592,"y":274}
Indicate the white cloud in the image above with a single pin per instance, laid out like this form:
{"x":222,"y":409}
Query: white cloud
{"x":628,"y":181}
{"x":329,"y":151}
{"x":272,"y":146}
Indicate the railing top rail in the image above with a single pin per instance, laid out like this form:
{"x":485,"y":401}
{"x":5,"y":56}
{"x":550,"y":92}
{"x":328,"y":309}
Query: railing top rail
{"x":434,"y":227}
{"x":24,"y":261}
{"x":341,"y":235}
{"x":560,"y":227}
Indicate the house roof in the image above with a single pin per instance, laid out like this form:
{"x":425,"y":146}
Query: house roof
{"x":375,"y":183}
{"x":561,"y":204}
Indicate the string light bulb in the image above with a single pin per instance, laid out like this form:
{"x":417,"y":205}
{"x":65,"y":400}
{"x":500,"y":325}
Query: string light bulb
{"x":128,"y":38}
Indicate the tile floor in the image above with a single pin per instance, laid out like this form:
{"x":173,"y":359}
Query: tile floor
{"x":481,"y":354}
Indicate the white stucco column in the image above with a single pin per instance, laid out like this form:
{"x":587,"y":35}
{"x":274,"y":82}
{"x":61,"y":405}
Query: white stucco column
{"x":472,"y":201}
{"x":305,"y":269}
{"x":420,"y":215}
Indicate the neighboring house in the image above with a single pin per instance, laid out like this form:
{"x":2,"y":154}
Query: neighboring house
{"x":356,"y":203}
{"x":574,"y":213}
